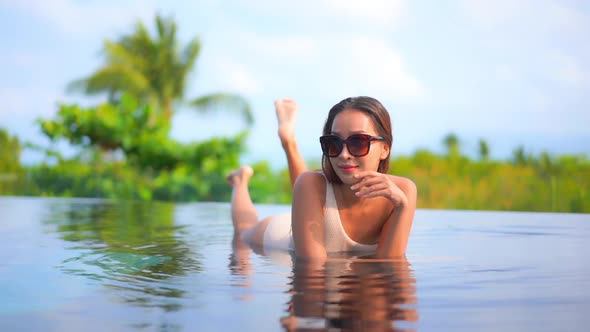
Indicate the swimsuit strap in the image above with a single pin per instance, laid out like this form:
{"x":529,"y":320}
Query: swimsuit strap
{"x":336,"y":238}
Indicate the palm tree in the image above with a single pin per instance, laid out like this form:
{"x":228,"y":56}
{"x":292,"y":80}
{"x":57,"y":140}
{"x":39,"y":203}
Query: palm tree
{"x":519,"y":157}
{"x":154,"y":70}
{"x":484,"y":150}
{"x":451,"y":141}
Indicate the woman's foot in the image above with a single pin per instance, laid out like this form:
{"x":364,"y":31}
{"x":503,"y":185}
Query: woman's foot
{"x":240,"y":175}
{"x":286,"y":110}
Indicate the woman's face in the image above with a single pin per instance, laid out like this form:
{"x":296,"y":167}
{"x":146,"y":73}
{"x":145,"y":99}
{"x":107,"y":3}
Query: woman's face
{"x":349,"y":122}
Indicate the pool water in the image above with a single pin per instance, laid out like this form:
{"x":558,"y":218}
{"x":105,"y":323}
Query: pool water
{"x":95,"y":265}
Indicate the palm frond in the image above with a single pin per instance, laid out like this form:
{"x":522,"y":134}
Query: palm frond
{"x":118,"y":53}
{"x":226,"y":102}
{"x":189,"y":55}
{"x":113,"y":78}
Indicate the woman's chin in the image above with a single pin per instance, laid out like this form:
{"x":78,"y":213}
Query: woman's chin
{"x":347,"y":177}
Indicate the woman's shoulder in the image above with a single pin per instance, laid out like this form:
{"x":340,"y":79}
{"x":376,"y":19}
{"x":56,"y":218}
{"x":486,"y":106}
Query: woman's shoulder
{"x":309,"y":190}
{"x":310,"y":180}
{"x":313,"y":178}
{"x":406,"y":185}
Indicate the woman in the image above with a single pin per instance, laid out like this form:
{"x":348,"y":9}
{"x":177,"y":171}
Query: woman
{"x":351,"y":205}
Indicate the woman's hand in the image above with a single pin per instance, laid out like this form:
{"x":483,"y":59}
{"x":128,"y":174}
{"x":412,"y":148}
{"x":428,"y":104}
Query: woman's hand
{"x":374,"y":184}
{"x":403,"y":194}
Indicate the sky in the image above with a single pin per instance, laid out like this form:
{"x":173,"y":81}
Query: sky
{"x":512,"y":72}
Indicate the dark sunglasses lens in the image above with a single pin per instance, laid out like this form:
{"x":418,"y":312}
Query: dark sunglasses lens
{"x":331,"y":146}
{"x":358,"y":145}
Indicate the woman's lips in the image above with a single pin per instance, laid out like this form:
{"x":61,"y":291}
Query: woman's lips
{"x":347,"y":168}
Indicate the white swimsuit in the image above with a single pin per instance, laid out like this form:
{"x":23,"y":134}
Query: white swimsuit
{"x":278,"y":234}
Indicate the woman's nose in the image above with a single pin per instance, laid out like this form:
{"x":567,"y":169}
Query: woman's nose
{"x":345,"y":154}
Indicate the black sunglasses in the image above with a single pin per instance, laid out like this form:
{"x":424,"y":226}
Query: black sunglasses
{"x":358,"y":144}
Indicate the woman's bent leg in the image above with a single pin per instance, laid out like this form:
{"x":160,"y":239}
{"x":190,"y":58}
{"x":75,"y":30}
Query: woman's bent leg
{"x":243,"y":213}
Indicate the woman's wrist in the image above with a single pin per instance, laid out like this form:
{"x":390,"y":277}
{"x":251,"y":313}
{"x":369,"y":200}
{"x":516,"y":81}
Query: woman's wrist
{"x":400,"y":202}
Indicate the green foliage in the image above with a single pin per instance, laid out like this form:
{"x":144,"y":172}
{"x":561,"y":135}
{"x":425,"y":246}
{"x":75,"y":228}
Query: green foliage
{"x":167,"y":170}
{"x":11,"y":172}
{"x":151,"y":166}
{"x":10,"y":150}
{"x":203,"y":180}
{"x":126,"y":125}
{"x":72,"y":178}
{"x":531,"y":184}
{"x":269,"y":187}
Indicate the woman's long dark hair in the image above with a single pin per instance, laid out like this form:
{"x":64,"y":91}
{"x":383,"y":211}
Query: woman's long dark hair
{"x":378,"y":114}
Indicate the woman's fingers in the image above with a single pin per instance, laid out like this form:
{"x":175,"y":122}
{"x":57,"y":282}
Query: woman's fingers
{"x":370,"y":179}
{"x":367,"y":182}
{"x":363,"y":174}
{"x":367,"y":189}
{"x":384,"y":193}
{"x":372,"y":189}
{"x":374,"y":184}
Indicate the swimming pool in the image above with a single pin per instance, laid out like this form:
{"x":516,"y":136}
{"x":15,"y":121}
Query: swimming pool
{"x":95,"y":265}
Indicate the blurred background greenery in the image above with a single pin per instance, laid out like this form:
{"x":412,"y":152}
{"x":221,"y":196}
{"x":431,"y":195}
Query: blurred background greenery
{"x":125,"y":150}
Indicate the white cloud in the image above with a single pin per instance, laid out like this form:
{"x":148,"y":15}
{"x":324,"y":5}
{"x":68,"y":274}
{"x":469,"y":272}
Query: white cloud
{"x":506,"y":73}
{"x":382,"y":69}
{"x":382,"y":12}
{"x":537,"y":15}
{"x":570,"y":71}
{"x":540,"y":107}
{"x":492,"y":12}
{"x":236,"y":77}
{"x":292,"y":48}
{"x":20,"y":59}
{"x":13,"y":101}
{"x":81,"y":18}
{"x":563,"y":17}
{"x":371,"y":13}
{"x":351,"y":66}
{"x":28,"y":102}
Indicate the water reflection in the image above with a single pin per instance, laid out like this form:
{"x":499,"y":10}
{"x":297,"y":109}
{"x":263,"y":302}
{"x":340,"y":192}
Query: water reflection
{"x":352,"y":294}
{"x":349,"y":293}
{"x":131,"y":248}
{"x":240,"y":267}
